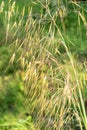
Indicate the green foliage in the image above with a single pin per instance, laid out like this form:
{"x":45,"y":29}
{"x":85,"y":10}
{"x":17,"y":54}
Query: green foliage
{"x":11,"y":97}
{"x":5,"y":66}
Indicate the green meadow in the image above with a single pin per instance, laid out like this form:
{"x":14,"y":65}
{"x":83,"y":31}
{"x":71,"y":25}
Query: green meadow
{"x":43,"y":65}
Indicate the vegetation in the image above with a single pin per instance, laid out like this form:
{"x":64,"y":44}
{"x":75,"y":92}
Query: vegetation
{"x":43,"y":65}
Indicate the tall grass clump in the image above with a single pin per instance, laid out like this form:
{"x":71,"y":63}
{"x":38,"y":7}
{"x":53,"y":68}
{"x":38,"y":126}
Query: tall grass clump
{"x":54,"y":78}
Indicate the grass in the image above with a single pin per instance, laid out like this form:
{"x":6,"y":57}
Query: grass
{"x":43,"y":66}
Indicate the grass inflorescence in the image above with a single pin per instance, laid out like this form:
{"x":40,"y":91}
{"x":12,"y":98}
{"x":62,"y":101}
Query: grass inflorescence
{"x":44,"y":75}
